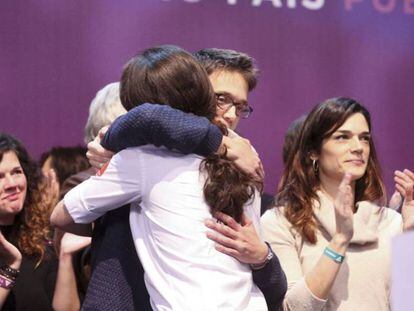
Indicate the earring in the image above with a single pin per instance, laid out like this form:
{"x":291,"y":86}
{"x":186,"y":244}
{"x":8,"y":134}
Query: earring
{"x":315,"y":166}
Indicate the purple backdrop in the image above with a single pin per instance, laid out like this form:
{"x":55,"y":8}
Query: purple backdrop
{"x":55,"y":55}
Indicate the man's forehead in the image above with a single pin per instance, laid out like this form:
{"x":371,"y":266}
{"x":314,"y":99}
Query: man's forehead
{"x":231,"y":83}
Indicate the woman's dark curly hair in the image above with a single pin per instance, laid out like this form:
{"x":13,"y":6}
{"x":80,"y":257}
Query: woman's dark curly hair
{"x":31,"y":229}
{"x":171,"y":76}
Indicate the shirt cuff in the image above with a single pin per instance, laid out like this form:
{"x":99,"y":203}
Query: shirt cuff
{"x":211,"y":142}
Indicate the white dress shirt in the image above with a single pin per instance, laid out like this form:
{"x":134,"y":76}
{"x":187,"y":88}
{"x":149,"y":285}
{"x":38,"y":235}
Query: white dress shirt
{"x":183,"y":271}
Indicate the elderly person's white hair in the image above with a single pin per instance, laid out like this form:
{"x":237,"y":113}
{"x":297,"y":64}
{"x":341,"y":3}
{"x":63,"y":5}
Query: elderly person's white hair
{"x":104,"y":109}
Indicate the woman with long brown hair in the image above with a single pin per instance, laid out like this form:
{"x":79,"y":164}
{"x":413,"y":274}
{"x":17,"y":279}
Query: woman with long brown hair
{"x":175,"y":193}
{"x":330,"y":232}
{"x":28,"y":263}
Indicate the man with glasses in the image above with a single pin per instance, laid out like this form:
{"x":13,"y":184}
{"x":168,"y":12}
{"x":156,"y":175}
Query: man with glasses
{"x":232,"y":75}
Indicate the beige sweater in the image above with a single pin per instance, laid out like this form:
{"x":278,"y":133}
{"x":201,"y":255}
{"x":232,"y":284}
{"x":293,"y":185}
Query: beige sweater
{"x":363,"y":280}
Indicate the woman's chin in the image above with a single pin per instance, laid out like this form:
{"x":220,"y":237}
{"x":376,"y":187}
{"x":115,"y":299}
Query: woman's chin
{"x":15,"y":208}
{"x":356,"y":173}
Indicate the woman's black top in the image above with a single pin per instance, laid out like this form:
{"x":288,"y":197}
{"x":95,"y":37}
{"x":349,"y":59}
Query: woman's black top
{"x":34,"y":286}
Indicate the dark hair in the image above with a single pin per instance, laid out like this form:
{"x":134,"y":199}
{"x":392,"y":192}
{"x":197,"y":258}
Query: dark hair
{"x":222,"y":59}
{"x":31,"y":229}
{"x":291,"y":137}
{"x":148,"y":74}
{"x":169,"y":75}
{"x":299,"y":183}
{"x":66,"y":161}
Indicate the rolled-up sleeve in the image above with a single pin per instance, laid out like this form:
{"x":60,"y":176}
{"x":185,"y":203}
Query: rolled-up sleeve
{"x":118,"y":185}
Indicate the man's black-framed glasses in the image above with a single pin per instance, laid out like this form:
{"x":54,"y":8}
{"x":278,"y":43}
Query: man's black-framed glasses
{"x":225,"y":102}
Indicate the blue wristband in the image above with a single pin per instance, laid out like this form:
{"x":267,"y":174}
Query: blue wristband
{"x":333,"y":255}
